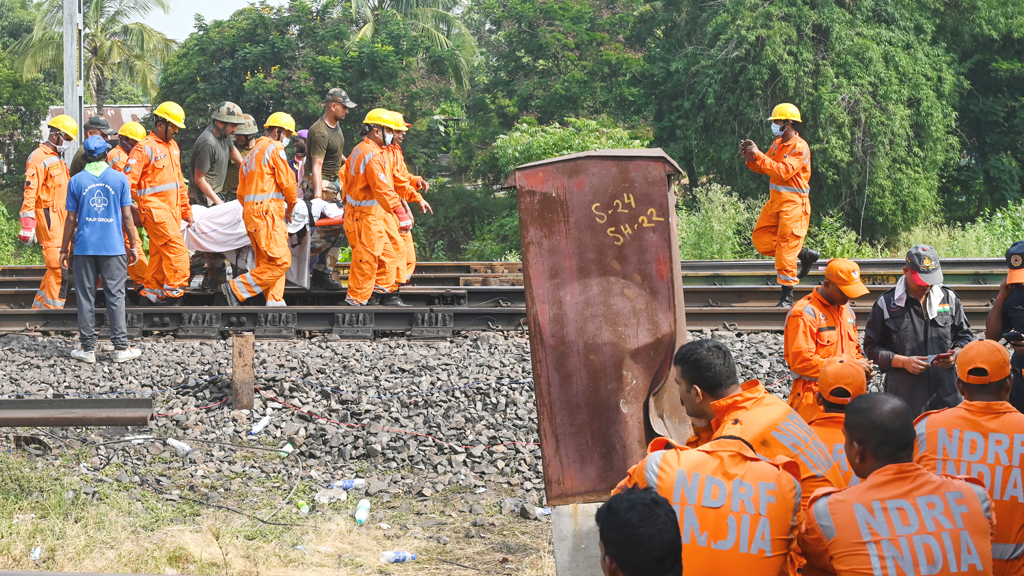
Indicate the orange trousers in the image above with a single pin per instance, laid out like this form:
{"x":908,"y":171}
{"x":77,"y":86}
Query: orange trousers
{"x":803,"y":398}
{"x":264,"y":222}
{"x":780,"y":232}
{"x":137,"y":271}
{"x":410,"y":255}
{"x":389,"y":277}
{"x":167,"y":272}
{"x":53,"y":290}
{"x":372,"y":254}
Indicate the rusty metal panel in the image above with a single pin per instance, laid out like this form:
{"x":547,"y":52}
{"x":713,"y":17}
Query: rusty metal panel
{"x":605,"y":307}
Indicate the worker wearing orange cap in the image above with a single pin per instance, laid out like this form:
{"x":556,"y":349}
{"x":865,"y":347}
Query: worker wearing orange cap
{"x":718,"y":406}
{"x":370,"y":202}
{"x":158,"y":187}
{"x":983,"y":437}
{"x":1006,"y":319}
{"x":841,"y":380}
{"x":901,"y":519}
{"x":782,"y":225}
{"x":735,"y":508}
{"x":117,"y":158}
{"x":268,"y":192}
{"x":407,"y":186}
{"x":43,"y":211}
{"x":819,"y":326}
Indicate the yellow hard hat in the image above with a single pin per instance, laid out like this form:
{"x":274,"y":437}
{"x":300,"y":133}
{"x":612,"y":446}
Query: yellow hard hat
{"x":171,"y":112}
{"x":400,"y":122}
{"x":132,"y":130}
{"x":281,"y":120}
{"x":786,"y":112}
{"x":65,"y":124}
{"x":382,"y":117}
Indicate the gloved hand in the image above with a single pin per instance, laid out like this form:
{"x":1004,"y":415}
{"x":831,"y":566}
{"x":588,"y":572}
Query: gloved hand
{"x":404,"y":221}
{"x":28,"y":230}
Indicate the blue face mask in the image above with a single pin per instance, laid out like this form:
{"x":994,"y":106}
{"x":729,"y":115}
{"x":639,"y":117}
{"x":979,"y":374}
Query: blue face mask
{"x":778,"y":130}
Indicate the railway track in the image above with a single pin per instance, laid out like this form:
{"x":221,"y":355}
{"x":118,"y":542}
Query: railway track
{"x":448,"y":297}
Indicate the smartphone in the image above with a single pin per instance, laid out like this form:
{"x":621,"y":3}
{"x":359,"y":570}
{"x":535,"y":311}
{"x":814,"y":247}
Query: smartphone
{"x":1013,"y":336}
{"x":943,"y":356}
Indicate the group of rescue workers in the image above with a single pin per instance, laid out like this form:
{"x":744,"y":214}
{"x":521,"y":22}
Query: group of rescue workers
{"x":365,"y":195}
{"x":905,"y":482}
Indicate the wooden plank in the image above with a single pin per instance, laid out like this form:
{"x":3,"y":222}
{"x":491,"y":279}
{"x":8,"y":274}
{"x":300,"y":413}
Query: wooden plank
{"x":243,"y":378}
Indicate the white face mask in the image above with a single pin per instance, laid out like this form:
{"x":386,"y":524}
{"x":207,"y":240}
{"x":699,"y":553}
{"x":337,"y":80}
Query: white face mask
{"x":778,"y":130}
{"x":285,"y":142}
{"x":389,"y":137}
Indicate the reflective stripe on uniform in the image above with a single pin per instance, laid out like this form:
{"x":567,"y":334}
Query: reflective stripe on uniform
{"x":794,"y":189}
{"x":356,"y":152}
{"x":790,"y":278}
{"x":157,"y":189}
{"x":266,"y":155}
{"x":796,"y":376}
{"x":921,"y":429}
{"x":264,"y":196}
{"x":42,"y":299}
{"x":986,"y":502}
{"x":27,"y":215}
{"x":49,"y":161}
{"x":149,"y":152}
{"x":1007,"y":551}
{"x":364,"y":203}
{"x":823,"y":516}
{"x":651,"y":468}
{"x":276,"y":303}
{"x":366,"y":159}
{"x":172,"y":291}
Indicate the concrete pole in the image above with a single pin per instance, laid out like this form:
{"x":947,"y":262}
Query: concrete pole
{"x":73,"y":93}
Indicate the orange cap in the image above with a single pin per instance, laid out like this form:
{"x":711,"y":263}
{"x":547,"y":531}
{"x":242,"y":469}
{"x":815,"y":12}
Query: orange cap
{"x":841,"y":373}
{"x":846,"y":274}
{"x":987,"y":355}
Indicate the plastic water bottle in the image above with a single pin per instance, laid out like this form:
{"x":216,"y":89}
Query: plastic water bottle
{"x":542,"y":511}
{"x":396,"y":556}
{"x":260,"y":426}
{"x":358,"y":484}
{"x":362,"y":511}
{"x":302,"y":506}
{"x":179,"y":445}
{"x":286,"y":450}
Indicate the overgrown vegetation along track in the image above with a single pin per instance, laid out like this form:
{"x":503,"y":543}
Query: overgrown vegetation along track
{"x":449,"y":297}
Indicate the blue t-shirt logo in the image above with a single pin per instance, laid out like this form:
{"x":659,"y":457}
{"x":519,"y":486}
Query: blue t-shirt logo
{"x":99,"y":201}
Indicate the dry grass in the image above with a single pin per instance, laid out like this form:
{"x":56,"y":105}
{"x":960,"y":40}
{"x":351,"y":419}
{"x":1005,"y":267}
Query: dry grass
{"x":125,"y":527}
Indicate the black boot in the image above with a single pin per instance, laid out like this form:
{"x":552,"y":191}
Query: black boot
{"x":322,"y":279}
{"x":393,"y":299}
{"x":374,"y":299}
{"x":807,"y":257}
{"x":786,"y":301}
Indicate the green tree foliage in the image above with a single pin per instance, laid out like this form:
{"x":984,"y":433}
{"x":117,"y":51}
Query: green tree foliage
{"x":875,"y":91}
{"x":528,"y":142}
{"x":116,"y":44}
{"x":460,"y":214}
{"x":22,"y":108}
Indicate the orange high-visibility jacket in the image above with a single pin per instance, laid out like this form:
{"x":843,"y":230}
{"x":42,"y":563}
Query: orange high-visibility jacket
{"x":775,"y":429}
{"x":816,"y":331}
{"x":902,"y":519}
{"x":735,"y":510}
{"x":46,"y":182}
{"x":789,"y":165}
{"x":984,"y":440}
{"x":154,"y":174}
{"x":266,"y":175}
{"x":829,"y":427}
{"x":367,"y":178}
{"x":405,"y":183}
{"x":117,"y":158}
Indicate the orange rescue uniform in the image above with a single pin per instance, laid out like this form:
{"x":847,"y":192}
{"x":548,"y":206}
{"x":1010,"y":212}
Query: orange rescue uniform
{"x":406,"y":187}
{"x":266,"y":187}
{"x":900,"y":520}
{"x":829,"y":428}
{"x":816,"y":331}
{"x":46,"y":194}
{"x":158,"y":187}
{"x":370,"y":204}
{"x":984,"y":440}
{"x":783,"y":222}
{"x":735,"y":510}
{"x":773,"y":429}
{"x":117,"y":159}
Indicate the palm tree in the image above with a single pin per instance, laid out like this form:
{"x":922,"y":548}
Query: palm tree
{"x":116,"y":44}
{"x":436,"y":19}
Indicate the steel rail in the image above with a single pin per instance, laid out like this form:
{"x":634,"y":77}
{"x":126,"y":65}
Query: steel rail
{"x":76,"y":412}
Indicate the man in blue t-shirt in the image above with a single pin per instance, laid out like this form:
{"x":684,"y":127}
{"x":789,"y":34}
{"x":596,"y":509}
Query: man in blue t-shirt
{"x":99,"y":208}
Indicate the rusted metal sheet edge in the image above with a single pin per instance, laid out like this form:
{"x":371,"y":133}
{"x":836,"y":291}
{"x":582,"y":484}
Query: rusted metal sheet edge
{"x":613,"y":153}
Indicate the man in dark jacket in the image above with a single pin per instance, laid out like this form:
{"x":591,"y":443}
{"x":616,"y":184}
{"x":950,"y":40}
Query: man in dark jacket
{"x":1007,"y":315}
{"x":914,"y":333}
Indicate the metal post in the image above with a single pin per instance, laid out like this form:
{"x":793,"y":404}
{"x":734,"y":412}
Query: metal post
{"x":243,"y":379}
{"x":73,"y":94}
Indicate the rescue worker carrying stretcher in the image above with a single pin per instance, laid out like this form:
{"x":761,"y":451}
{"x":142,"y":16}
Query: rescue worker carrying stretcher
{"x":783,"y":223}
{"x":268,"y":193}
{"x":370,"y":204}
{"x":158,"y":187}
{"x":407,"y":186}
{"x":822,"y":325}
{"x":117,"y":158}
{"x":43,"y":211}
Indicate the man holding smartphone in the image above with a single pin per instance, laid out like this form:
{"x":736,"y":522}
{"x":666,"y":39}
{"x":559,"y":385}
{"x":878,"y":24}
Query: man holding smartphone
{"x":1006,"y":319}
{"x":914,"y":333}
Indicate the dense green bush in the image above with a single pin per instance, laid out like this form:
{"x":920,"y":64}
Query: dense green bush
{"x":460,"y":212}
{"x":715,"y":224}
{"x":528,"y":142}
